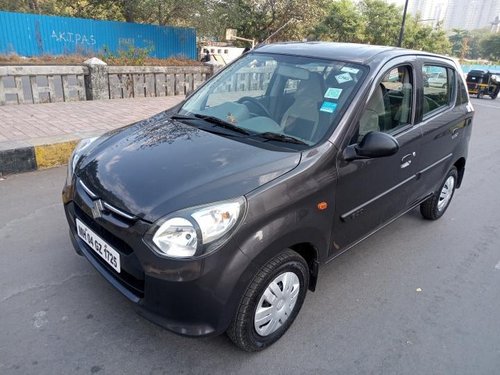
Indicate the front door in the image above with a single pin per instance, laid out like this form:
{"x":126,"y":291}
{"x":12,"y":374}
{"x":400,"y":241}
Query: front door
{"x":371,"y":192}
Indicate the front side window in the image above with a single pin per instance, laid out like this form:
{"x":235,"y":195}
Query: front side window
{"x":390,"y":105}
{"x":438,"y":86}
{"x":291,"y":96}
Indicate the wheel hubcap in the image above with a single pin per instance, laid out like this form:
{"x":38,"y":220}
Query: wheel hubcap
{"x":276,"y":303}
{"x":446,"y":193}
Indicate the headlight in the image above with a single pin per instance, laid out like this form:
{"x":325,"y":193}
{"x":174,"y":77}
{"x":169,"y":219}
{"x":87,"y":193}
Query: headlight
{"x":79,"y":150}
{"x":195,"y":231}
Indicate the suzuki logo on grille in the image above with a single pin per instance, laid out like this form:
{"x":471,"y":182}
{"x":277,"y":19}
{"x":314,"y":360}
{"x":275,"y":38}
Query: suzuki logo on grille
{"x":97,"y":209}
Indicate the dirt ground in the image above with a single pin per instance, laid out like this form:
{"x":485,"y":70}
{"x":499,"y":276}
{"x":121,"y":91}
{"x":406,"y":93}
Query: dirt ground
{"x":78,"y":59}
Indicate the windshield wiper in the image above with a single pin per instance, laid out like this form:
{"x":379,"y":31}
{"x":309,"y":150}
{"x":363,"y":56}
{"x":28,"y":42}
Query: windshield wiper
{"x":281,"y":138}
{"x":219,"y":122}
{"x":178,"y":116}
{"x":213,"y":120}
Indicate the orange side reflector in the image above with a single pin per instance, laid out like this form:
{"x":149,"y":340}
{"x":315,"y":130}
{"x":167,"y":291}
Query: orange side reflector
{"x":322,"y":206}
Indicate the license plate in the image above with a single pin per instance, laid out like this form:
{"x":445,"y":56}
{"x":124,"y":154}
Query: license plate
{"x":96,"y":243}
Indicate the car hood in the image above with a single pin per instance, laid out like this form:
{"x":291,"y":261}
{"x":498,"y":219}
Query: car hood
{"x":158,"y":166}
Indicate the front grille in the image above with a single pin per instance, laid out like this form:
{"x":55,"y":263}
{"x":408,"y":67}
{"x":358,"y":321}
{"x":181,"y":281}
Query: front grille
{"x":114,"y":211}
{"x":103,"y":233}
{"x":132,"y":283}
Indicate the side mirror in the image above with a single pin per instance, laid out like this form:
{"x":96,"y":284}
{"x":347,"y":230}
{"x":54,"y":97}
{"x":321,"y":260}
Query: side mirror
{"x":373,"y":145}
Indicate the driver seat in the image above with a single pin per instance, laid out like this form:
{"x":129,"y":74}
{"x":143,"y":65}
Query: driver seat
{"x":302,"y":117}
{"x":374,"y":111}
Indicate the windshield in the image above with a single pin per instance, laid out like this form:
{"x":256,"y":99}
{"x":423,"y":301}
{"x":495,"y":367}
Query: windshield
{"x":279,"y":97}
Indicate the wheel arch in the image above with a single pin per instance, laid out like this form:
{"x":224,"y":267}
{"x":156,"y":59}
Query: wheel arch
{"x":460,"y":165}
{"x":307,"y":251}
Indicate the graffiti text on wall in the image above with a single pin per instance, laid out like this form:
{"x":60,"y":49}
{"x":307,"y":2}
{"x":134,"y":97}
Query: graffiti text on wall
{"x":77,"y":38}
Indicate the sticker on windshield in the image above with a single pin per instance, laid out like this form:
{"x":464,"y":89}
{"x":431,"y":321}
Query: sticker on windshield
{"x":348,"y":69}
{"x":342,"y":78}
{"x":328,"y":107}
{"x":333,"y":93}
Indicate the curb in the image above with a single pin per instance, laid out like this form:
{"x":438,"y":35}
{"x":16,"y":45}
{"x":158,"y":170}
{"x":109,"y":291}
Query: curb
{"x":41,"y":153}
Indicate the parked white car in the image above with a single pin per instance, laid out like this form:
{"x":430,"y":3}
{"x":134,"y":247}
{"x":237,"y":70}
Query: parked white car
{"x":438,"y":80}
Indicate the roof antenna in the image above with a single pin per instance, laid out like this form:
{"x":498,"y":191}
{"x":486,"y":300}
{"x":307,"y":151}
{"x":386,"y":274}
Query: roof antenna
{"x":277,"y":31}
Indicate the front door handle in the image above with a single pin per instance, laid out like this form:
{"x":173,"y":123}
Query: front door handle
{"x":406,"y":160}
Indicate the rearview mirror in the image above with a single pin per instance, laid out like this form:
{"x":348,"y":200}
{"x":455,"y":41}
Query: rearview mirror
{"x":373,"y":145}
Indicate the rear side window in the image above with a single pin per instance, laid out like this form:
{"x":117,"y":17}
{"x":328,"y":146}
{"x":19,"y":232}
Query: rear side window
{"x":439,"y":83}
{"x":462,"y":94}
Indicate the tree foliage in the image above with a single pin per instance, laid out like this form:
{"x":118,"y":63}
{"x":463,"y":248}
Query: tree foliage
{"x":382,"y":22}
{"x":377,"y":22}
{"x":425,"y":37}
{"x":491,"y":47}
{"x":342,"y":23}
{"x":258,"y":19}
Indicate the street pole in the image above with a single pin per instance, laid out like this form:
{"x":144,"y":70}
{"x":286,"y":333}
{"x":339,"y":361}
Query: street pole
{"x":402,"y":31}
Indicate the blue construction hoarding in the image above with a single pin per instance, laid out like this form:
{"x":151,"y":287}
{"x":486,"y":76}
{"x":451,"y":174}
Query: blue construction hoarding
{"x":35,"y":35}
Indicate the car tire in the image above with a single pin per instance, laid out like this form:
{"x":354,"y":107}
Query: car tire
{"x":434,"y":207}
{"x":284,"y":278}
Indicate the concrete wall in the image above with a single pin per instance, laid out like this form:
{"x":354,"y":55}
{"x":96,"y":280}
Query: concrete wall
{"x":49,"y":84}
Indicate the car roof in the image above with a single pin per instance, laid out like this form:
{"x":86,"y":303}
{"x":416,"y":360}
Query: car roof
{"x":352,"y":52}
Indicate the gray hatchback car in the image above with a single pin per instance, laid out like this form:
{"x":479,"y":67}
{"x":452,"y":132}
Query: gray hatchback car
{"x":217,"y":215}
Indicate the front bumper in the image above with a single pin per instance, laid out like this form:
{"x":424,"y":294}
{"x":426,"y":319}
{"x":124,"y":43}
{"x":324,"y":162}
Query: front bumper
{"x":189,"y":297}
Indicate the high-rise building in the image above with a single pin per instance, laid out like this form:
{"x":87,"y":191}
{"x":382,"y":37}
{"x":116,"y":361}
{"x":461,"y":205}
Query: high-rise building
{"x":430,"y":12}
{"x":455,"y":14}
{"x":471,"y":14}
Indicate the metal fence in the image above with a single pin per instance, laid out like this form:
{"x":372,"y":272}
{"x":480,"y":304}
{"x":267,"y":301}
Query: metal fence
{"x":35,"y":35}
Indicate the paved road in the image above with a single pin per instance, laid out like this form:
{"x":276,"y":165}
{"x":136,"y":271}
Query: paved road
{"x":58,"y":316}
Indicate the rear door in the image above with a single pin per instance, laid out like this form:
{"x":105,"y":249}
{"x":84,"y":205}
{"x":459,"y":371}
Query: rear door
{"x":443,"y":117}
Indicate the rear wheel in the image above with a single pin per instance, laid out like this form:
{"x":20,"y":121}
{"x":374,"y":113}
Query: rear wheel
{"x":271,"y":302}
{"x":434,"y":207}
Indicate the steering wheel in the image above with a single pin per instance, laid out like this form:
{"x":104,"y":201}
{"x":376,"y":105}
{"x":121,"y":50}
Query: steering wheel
{"x":249,"y":99}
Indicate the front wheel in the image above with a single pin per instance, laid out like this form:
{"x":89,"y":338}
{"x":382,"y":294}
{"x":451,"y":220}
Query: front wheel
{"x":271,"y":302}
{"x":434,"y":207}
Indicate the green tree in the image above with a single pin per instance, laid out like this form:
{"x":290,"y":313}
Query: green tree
{"x":343,"y":23}
{"x":382,"y":22}
{"x":424,"y":37}
{"x":490,"y":47}
{"x":29,"y":6}
{"x":476,"y":36}
{"x":460,"y":43}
